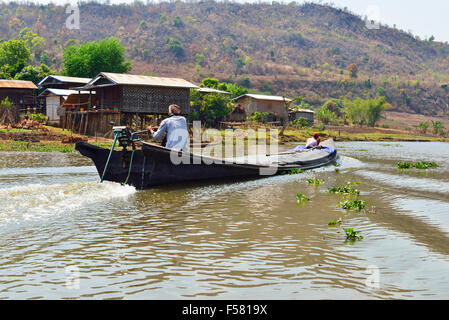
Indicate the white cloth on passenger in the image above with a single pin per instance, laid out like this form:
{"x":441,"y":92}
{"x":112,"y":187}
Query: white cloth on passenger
{"x":177,"y":134}
{"x":311,"y":142}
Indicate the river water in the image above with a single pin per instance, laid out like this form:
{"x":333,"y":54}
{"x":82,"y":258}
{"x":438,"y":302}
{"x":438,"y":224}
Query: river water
{"x":63,"y":235}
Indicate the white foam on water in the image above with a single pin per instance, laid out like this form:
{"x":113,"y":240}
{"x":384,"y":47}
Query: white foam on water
{"x":35,"y":201}
{"x":47,"y":170}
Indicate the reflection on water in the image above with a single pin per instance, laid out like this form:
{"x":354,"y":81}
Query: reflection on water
{"x":241,"y":240}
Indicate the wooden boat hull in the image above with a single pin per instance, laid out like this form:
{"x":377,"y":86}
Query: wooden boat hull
{"x":152,"y":166}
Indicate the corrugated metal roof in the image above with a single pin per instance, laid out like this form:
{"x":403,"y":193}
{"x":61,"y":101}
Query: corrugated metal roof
{"x":17,"y":84}
{"x":65,"y":79}
{"x":211,"y":90}
{"x":131,"y":79}
{"x":63,"y":92}
{"x":302,"y":110}
{"x":263,"y":97}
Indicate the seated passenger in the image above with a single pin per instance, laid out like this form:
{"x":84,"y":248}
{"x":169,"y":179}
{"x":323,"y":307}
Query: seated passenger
{"x":176,"y":129}
{"x":313,"y":143}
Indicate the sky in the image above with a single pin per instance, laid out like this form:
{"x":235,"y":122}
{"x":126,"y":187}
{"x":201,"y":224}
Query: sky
{"x":422,"y":18}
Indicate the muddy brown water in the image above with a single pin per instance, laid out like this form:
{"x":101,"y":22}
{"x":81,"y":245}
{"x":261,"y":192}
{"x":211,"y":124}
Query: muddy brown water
{"x":63,"y":235}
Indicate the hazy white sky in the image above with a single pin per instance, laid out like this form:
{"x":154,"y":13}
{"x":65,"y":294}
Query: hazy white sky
{"x":423,"y":18}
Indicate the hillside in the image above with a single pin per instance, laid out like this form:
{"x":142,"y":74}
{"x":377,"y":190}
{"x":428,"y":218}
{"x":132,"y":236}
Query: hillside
{"x":283,"y":49}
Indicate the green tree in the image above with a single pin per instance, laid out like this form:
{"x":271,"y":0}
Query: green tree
{"x":34,"y":43}
{"x":423,"y":126}
{"x":210,"y":83}
{"x":45,"y":59}
{"x":335,"y":106}
{"x":325,"y":115}
{"x":4,"y":72}
{"x":34,"y":74}
{"x":176,"y":47}
{"x":210,"y":108}
{"x":437,"y":127}
{"x":15,"y":54}
{"x":200,"y":59}
{"x":369,"y":111}
{"x":354,"y":111}
{"x":177,"y":22}
{"x":91,"y":58}
{"x":373,"y":110}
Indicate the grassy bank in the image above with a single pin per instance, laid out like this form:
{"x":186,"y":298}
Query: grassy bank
{"x":362,"y":134}
{"x":44,"y":146}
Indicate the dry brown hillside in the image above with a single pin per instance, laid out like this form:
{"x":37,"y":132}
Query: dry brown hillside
{"x":277,"y":48}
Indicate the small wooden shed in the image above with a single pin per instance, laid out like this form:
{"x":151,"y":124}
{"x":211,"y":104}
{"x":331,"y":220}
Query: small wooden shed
{"x":297,"y":113}
{"x":21,"y":93}
{"x":275,"y":105}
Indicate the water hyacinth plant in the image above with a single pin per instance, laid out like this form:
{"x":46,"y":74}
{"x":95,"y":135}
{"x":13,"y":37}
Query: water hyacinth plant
{"x":347,"y":189}
{"x":314,"y":181}
{"x":352,"y":235}
{"x":334,"y":223}
{"x":357,"y":205}
{"x":417,"y":165}
{"x":301,"y":198}
{"x":293,"y":171}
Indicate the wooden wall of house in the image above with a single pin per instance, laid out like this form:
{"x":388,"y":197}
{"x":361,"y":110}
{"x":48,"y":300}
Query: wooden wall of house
{"x":109,"y":97}
{"x":296,"y":115}
{"x":154,"y":100}
{"x":18,"y":96}
{"x":253,"y":105}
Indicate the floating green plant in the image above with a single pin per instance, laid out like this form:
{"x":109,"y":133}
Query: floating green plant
{"x":334,"y":223}
{"x":293,"y":171}
{"x":302,"y":197}
{"x":417,"y":165}
{"x":347,"y":189}
{"x":337,"y":170}
{"x":357,"y":205}
{"x":314,"y":181}
{"x":352,"y":235}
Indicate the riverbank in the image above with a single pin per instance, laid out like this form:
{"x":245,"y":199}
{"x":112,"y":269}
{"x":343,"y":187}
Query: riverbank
{"x":350,"y":133}
{"x":51,"y":140}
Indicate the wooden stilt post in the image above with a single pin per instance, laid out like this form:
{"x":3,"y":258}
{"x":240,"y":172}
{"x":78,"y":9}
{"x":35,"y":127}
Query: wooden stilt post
{"x":87,"y":123}
{"x":81,"y":123}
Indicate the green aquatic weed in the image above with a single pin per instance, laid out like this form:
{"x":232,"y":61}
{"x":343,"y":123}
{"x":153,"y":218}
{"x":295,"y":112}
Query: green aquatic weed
{"x":417,"y":165}
{"x":315,"y":181}
{"x":293,"y":171}
{"x":302,"y":198}
{"x":357,"y":205}
{"x":352,"y":235}
{"x":347,"y":189}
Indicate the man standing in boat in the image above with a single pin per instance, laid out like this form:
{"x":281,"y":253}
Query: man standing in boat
{"x":176,"y":129}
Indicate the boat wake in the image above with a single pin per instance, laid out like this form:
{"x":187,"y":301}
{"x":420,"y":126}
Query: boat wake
{"x":35,"y":201}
